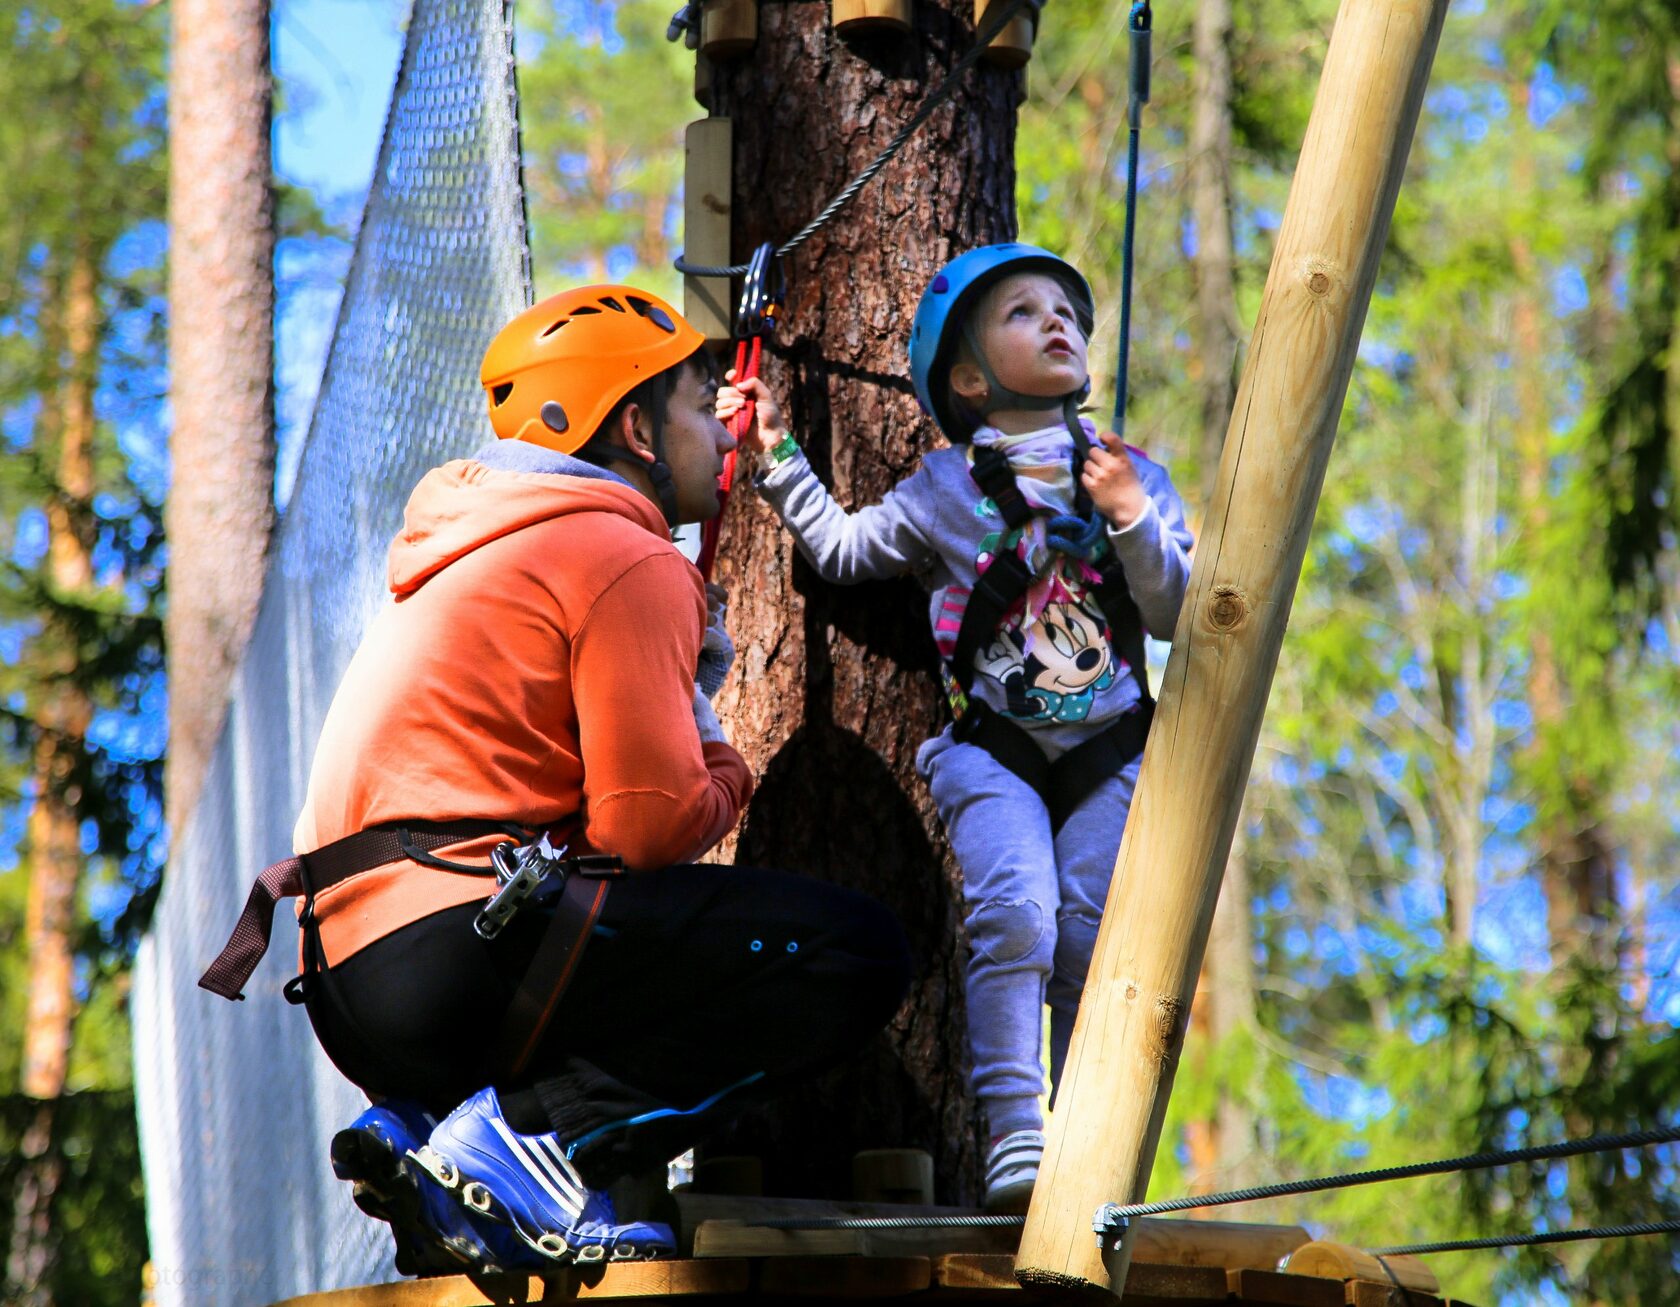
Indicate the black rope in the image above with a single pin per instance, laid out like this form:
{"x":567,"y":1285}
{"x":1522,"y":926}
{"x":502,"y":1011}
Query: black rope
{"x":1005,"y":11}
{"x":1115,"y":1212}
{"x":1527,"y":1240}
{"x":1473,"y":1162}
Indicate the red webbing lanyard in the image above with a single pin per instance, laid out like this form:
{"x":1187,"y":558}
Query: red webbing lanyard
{"x":747,"y":355}
{"x":761,"y":295}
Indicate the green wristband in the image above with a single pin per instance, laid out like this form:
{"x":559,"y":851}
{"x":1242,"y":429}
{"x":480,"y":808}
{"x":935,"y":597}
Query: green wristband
{"x":784,"y":450}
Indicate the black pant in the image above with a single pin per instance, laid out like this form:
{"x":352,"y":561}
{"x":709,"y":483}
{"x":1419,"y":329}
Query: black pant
{"x":698,"y":981}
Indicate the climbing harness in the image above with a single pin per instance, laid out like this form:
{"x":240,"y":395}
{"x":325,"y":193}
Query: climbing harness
{"x":526,"y":870}
{"x":1065,"y":783}
{"x":312,"y":873}
{"x":1005,"y":11}
{"x":762,"y":298}
{"x":1138,"y":26}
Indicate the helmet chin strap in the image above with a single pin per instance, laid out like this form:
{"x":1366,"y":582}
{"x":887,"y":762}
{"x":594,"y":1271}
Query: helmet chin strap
{"x":659,"y":471}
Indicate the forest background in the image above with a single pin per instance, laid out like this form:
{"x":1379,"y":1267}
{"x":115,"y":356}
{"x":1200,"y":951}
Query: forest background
{"x":1451,"y":916}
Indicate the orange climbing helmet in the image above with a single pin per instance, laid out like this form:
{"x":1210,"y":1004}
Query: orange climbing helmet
{"x":555,"y":372}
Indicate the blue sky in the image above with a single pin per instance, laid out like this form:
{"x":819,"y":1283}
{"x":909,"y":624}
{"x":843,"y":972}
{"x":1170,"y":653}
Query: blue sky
{"x":335,"y":62}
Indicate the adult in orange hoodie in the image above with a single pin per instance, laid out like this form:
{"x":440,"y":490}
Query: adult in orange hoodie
{"x":538,"y":671}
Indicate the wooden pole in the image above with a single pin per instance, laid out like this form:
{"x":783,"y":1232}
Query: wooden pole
{"x":708,"y":151}
{"x":1113,"y":1093}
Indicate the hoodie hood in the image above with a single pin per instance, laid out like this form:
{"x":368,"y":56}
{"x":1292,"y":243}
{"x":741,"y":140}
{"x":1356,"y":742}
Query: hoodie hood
{"x":505,"y":488}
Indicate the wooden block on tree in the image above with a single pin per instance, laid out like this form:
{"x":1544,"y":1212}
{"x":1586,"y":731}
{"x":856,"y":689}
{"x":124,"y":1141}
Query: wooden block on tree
{"x":728,"y":27}
{"x":1340,"y":1261}
{"x":855,"y":17}
{"x":893,"y":1175}
{"x":743,"y":1239}
{"x":707,"y":208}
{"x":1266,"y":1287}
{"x":844,"y":1277}
{"x":1012,"y":47}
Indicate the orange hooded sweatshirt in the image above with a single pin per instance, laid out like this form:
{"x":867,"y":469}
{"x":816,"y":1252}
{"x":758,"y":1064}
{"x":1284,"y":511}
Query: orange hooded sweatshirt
{"x":536,"y":667}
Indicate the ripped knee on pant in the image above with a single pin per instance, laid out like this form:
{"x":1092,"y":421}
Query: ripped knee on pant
{"x":1007,"y":930}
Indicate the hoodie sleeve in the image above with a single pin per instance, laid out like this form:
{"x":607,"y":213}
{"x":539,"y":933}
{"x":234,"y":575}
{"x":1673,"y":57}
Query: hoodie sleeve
{"x":885,"y":539}
{"x":1155,"y":551}
{"x":652,"y":792}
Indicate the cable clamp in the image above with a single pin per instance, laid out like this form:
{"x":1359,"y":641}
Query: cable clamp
{"x":1110,"y":1227}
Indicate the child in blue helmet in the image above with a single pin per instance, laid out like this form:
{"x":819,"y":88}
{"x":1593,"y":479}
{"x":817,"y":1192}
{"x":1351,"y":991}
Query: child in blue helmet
{"x":1048,"y":550}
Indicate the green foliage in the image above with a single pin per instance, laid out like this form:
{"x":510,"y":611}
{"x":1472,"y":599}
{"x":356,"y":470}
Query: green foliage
{"x":604,"y":98}
{"x":100,"y":1208}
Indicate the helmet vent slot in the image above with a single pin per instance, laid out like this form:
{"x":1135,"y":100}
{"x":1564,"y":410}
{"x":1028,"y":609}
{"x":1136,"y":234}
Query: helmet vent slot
{"x":612,"y":304}
{"x":582,"y":310}
{"x":554,"y":327}
{"x":500,"y":392}
{"x":638,"y":305}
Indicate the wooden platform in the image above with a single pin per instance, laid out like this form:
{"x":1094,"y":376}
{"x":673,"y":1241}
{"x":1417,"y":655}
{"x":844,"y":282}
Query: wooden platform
{"x":725,"y":1256}
{"x":950,"y":1279}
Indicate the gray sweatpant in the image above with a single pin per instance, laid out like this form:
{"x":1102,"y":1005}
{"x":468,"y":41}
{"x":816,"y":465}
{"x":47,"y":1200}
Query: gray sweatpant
{"x":1032,"y":904}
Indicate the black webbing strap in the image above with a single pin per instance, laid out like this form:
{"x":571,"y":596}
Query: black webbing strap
{"x":555,"y":962}
{"x":996,"y":590}
{"x":326,"y":866}
{"x":1067,"y":782}
{"x":1125,"y":622}
{"x":996,"y":479}
{"x":1085,"y":766}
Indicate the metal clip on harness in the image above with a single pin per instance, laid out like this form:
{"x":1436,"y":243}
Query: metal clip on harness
{"x":522,"y":870}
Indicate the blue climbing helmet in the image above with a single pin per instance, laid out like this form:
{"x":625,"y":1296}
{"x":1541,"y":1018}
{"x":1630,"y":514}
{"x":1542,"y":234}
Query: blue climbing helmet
{"x":942,"y":319}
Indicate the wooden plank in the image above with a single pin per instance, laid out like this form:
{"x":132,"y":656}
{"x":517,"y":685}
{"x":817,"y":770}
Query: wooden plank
{"x":1228,"y":1244}
{"x":1111,"y":1102}
{"x":708,"y":171}
{"x":1368,"y":1293}
{"x":977,"y":1271}
{"x":672,"y":1279}
{"x":1150,"y":1285}
{"x":1340,"y":1261}
{"x":844,"y":1277}
{"x":1269,"y":1287}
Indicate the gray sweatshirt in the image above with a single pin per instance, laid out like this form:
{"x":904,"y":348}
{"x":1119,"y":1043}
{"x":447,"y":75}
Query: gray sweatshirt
{"x":937,"y":525}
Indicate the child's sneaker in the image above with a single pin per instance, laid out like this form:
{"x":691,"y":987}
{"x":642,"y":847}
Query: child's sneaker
{"x":1011,"y":1169}
{"x":528,"y":1182}
{"x":375,"y":1152}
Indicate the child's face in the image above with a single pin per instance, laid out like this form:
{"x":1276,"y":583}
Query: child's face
{"x":1029,"y":333}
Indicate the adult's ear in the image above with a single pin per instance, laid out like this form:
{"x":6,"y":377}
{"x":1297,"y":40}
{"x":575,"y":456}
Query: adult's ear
{"x":633,"y":432}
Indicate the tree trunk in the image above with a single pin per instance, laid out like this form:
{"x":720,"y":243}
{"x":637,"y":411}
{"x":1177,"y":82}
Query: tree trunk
{"x":1227,"y":998}
{"x":221,"y":314}
{"x":1214,"y":261}
{"x":55,"y":853}
{"x":1577,"y":873}
{"x":834,"y":690}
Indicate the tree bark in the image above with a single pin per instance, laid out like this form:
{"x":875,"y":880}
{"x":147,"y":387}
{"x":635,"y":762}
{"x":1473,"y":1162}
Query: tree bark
{"x":221,"y":313}
{"x":834,"y":690}
{"x":55,"y":853}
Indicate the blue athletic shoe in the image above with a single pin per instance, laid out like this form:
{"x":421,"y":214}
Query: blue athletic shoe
{"x":527,"y":1182}
{"x":375,"y":1152}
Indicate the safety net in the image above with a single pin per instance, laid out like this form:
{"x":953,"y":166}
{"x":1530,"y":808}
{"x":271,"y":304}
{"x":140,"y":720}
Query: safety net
{"x":236,"y":1104}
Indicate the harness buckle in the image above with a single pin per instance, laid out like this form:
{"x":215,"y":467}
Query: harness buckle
{"x":521,"y":870}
